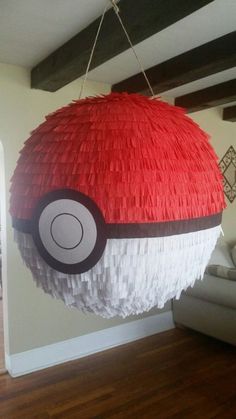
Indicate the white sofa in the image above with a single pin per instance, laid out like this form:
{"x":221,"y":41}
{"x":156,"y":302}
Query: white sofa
{"x":210,"y":306}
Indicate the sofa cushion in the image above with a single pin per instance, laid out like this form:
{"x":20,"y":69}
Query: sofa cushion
{"x":222,"y":272}
{"x":221,"y":255}
{"x":233,"y":254}
{"x":215,"y":290}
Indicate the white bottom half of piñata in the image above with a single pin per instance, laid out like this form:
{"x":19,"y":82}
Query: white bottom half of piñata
{"x":132,"y":276}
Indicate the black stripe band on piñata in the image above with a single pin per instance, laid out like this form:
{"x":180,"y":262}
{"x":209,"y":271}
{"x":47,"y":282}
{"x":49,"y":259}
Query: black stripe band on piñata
{"x":140,"y":230}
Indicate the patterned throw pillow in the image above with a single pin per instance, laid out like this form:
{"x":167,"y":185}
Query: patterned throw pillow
{"x":222,"y":272}
{"x":233,"y":254}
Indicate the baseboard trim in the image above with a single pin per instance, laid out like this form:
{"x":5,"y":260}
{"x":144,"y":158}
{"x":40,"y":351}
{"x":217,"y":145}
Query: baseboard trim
{"x":58,"y":353}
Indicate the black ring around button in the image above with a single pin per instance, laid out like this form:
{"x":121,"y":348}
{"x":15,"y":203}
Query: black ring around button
{"x":101,"y":239}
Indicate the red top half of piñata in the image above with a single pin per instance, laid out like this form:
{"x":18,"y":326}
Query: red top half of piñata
{"x":141,"y":160}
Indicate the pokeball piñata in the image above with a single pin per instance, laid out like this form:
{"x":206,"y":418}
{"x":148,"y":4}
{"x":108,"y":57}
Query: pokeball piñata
{"x":116,"y":203}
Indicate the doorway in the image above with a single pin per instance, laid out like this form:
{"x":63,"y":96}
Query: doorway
{"x":2,"y":361}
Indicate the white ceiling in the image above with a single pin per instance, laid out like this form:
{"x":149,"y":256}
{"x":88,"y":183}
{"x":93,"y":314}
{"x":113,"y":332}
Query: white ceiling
{"x":32,"y":29}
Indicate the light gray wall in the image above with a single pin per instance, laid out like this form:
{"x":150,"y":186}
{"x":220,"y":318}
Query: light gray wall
{"x":223,"y":135}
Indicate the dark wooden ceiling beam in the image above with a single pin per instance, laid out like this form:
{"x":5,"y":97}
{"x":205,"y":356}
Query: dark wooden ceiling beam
{"x":207,"y":98}
{"x":142,"y":19}
{"x":210,"y":58}
{"x":229,"y":114}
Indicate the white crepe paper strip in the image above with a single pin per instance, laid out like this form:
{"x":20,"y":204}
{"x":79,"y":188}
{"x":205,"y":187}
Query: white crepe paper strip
{"x":133,"y":275}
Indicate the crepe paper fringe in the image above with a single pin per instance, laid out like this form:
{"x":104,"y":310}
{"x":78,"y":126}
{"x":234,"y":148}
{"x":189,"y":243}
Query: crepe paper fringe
{"x":132,"y":276}
{"x":140,"y":159}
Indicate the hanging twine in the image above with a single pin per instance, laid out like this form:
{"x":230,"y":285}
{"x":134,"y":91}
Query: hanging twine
{"x":92,"y":52}
{"x":117,"y":12}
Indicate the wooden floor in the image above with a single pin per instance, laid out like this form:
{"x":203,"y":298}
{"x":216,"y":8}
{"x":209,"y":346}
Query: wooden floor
{"x":176,"y":374}
{"x":2,"y":366}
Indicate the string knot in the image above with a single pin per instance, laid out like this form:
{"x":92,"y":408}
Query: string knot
{"x":115,"y":7}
